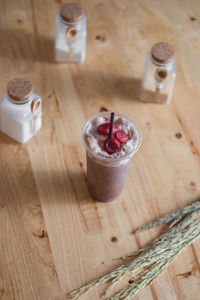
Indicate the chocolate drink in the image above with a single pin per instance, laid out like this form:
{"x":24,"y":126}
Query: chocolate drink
{"x":108,"y":164}
{"x":105,"y":183}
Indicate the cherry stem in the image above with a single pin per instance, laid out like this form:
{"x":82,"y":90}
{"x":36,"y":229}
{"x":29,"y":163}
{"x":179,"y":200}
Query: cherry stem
{"x":110,"y":134}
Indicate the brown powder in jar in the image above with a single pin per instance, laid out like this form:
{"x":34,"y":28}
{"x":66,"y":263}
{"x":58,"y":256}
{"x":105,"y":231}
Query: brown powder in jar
{"x":154,"y":97}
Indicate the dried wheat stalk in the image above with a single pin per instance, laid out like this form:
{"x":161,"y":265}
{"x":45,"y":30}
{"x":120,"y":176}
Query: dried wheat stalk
{"x":184,"y":230}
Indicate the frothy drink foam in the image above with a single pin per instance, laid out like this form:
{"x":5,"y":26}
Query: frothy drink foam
{"x":95,"y":141}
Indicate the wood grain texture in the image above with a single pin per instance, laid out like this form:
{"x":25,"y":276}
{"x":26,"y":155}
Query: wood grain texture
{"x":53,"y":236}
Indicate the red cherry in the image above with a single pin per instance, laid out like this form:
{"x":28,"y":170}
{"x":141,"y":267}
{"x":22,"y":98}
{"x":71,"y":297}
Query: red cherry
{"x":111,"y":145}
{"x":104,"y":128}
{"x":121,"y":136}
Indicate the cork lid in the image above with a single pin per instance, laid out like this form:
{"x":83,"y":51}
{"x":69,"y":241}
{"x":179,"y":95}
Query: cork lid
{"x":19,"y":89}
{"x":71,"y":12}
{"x":162,"y":53}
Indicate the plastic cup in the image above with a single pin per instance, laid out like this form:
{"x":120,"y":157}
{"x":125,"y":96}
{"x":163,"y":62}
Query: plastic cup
{"x":106,"y":176}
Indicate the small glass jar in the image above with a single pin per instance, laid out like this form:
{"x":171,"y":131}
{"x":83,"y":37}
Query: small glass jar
{"x":159,"y":74}
{"x":71,"y":34}
{"x":20,"y":111}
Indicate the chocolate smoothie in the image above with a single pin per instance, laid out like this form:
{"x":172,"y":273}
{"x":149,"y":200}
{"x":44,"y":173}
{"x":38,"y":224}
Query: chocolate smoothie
{"x":107,"y":167}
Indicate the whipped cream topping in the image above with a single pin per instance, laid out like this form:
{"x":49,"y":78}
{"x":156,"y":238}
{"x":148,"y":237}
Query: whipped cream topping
{"x":95,"y":141}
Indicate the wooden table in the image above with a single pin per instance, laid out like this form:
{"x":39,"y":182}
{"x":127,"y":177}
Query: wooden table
{"x":53,"y":236}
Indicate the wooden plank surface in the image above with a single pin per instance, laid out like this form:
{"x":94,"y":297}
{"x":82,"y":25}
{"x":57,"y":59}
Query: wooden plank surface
{"x":53,"y":236}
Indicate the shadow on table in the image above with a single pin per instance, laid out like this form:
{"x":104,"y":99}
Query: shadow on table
{"x":62,"y":187}
{"x":25,"y":181}
{"x":105,"y":84}
{"x":112,"y":85}
{"x":51,"y":188}
{"x":4,"y":139}
{"x":19,"y":45}
{"x":24,"y":46}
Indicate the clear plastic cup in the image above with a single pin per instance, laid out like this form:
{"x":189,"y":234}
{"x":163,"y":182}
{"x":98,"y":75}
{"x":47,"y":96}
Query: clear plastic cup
{"x":106,"y":176}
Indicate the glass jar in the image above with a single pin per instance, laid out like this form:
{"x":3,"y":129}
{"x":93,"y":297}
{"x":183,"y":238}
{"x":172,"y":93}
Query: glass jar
{"x":159,"y":74}
{"x":71,"y":34}
{"x":20,"y":111}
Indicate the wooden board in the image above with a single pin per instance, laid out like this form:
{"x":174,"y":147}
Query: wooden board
{"x":53,"y":236}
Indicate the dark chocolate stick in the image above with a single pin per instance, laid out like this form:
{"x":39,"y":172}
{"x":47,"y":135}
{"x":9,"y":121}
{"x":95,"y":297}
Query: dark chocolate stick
{"x":110,"y":134}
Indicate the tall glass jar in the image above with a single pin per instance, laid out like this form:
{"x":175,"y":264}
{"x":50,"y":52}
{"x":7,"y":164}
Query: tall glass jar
{"x":159,"y":74}
{"x":71,"y":34}
{"x":20,"y":111}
